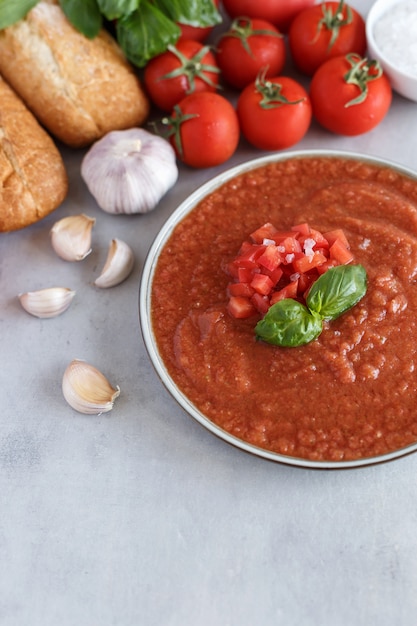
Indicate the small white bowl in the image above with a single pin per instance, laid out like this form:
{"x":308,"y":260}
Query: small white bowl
{"x":402,"y":80}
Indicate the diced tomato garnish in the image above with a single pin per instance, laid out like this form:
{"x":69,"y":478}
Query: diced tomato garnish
{"x":307,"y":263}
{"x":303,"y":229}
{"x":245,"y":274}
{"x":250,"y":252}
{"x":262,"y":284}
{"x":340,"y":253}
{"x":319,"y":238}
{"x":306,"y":280}
{"x":321,"y":269}
{"x":240,"y":307}
{"x":266,"y":231}
{"x":281,"y":235}
{"x":261,"y":303}
{"x":240,"y":289}
{"x":338,"y":233}
{"x":289,"y":291}
{"x":270,"y":258}
{"x":275,"y":275}
{"x":275,"y":265}
{"x":290,"y":245}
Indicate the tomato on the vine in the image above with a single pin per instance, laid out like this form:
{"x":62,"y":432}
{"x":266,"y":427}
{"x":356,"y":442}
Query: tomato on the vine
{"x":185,"y":68}
{"x":203,"y":129}
{"x":278,"y":12}
{"x":274,"y":113}
{"x":325,"y":31}
{"x":350,"y":95}
{"x":248,"y":46}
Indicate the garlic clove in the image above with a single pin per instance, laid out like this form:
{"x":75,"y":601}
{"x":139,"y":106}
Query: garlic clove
{"x":48,"y":302}
{"x":71,"y":237}
{"x":129,"y":171}
{"x":87,"y":390}
{"x":119,"y":264}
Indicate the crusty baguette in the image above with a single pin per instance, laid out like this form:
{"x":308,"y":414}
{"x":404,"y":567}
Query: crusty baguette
{"x":78,"y":88}
{"x":33,"y":180}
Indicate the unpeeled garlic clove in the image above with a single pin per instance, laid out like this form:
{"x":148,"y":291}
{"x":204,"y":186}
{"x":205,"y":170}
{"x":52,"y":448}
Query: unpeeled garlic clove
{"x":87,"y":390}
{"x":48,"y":302}
{"x":71,"y":237}
{"x":119,"y":264}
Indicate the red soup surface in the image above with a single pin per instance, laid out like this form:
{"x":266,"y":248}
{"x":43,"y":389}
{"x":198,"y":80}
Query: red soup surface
{"x":351,"y":393}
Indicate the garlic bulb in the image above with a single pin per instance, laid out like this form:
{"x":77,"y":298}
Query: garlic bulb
{"x":71,"y":237}
{"x":129,"y":171}
{"x":87,"y":390}
{"x":118,"y":265}
{"x":48,"y":302}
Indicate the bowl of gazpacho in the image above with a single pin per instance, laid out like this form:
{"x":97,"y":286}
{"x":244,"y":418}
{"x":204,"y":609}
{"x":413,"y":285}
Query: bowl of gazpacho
{"x":278,"y":305}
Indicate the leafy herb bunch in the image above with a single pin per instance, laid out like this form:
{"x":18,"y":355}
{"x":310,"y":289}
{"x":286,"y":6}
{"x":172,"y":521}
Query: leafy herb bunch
{"x":143,"y":28}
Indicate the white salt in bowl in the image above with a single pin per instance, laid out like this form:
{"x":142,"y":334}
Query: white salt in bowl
{"x":391,"y":31}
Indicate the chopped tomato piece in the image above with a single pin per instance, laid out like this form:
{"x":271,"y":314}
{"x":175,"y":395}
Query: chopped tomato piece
{"x":270,"y":258}
{"x":321,"y":269}
{"x":307,"y":263}
{"x":240,"y":307}
{"x":275,"y":275}
{"x":306,"y":280}
{"x":338,"y":233}
{"x":319,"y":238}
{"x":240,"y":289}
{"x":261,"y":303}
{"x":290,"y":245}
{"x":289,"y":291}
{"x":250,"y":252}
{"x":340,"y":253}
{"x":245,"y":274}
{"x":262,"y":284}
{"x":266,"y":231}
{"x":281,"y":235}
{"x":303,"y":229}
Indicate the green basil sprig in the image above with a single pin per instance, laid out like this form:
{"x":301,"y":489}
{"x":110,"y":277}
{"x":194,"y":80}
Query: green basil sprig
{"x":288,"y":323}
{"x":144,"y":28}
{"x":12,"y":11}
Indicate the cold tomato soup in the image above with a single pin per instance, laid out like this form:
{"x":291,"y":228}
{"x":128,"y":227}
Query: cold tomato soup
{"x":351,"y":393}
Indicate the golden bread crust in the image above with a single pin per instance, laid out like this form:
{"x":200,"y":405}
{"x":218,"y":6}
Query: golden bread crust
{"x":33,"y":180}
{"x":78,"y":88}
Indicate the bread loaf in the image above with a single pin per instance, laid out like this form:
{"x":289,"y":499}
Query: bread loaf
{"x":78,"y":88}
{"x":33,"y":180}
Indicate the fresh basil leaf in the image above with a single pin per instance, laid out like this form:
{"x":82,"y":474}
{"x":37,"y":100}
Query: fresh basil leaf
{"x":113,"y":9}
{"x":84,"y":15}
{"x":145,"y":33}
{"x":11,"y":11}
{"x":337,"y":290}
{"x":192,"y":12}
{"x":288,"y":323}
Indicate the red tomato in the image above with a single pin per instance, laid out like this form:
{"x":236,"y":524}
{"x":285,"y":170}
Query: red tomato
{"x":246,"y":48}
{"x":197,"y":33}
{"x":350,"y":95}
{"x":278,"y":12}
{"x":274,"y":113}
{"x":204,"y":129}
{"x":183,"y":69}
{"x":324,"y":31}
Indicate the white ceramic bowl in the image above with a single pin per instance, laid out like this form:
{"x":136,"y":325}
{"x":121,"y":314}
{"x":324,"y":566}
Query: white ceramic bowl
{"x":403,"y":80}
{"x":146,"y":322}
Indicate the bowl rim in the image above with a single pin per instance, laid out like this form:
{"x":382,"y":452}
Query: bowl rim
{"x":151,"y":260}
{"x":377,"y":10}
